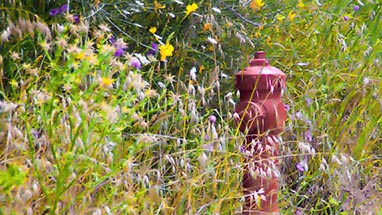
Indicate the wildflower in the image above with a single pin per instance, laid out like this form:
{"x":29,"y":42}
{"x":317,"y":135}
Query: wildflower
{"x":269,"y":41}
{"x":212,"y":40}
{"x":76,"y":18}
{"x":291,"y":15}
{"x":193,"y":74}
{"x":256,"y":5}
{"x":346,"y":18}
{"x":106,"y":82}
{"x":158,"y":6}
{"x":15,"y":55}
{"x":257,"y":34}
{"x":212,"y":119}
{"x":104,"y":28}
{"x":287,"y":108}
{"x":300,"y":167}
{"x":300,"y":4}
{"x":119,"y":52}
{"x":308,"y":135}
{"x":59,"y":11}
{"x":298,"y":212}
{"x":201,"y":68}
{"x":191,"y":8}
{"x":92,"y":59}
{"x":280,"y":17}
{"x":308,"y":101}
{"x":64,"y":8}
{"x":206,"y":27}
{"x":356,"y":8}
{"x":153,"y":30}
{"x":112,"y":39}
{"x":153,"y":50}
{"x":54,"y":12}
{"x":62,"y":42}
{"x":151,"y":93}
{"x":298,"y":115}
{"x":206,"y":137}
{"x":165,"y":50}
{"x":135,"y":63}
{"x":120,"y":44}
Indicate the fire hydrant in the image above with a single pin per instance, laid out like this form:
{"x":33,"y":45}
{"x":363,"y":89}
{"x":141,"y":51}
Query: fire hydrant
{"x":260,"y":114}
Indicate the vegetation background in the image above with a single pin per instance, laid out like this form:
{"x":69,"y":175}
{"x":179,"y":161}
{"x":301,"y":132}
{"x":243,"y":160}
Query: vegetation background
{"x":125,"y":107}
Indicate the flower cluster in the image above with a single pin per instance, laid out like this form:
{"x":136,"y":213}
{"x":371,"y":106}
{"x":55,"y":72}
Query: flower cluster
{"x":59,"y":10}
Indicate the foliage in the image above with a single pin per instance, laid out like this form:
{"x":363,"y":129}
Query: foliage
{"x":125,"y":107}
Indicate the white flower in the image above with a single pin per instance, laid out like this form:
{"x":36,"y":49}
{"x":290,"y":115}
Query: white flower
{"x":212,"y":40}
{"x":217,"y":10}
{"x":193,"y":74}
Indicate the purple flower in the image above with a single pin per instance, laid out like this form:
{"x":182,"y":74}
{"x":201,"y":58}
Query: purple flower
{"x":119,"y":52}
{"x":287,"y":108}
{"x":308,"y":101}
{"x":297,"y":116}
{"x":153,"y":50}
{"x":112,"y":39}
{"x":135,"y":63}
{"x":212,"y":119}
{"x":298,"y":212}
{"x":64,"y":8}
{"x":300,"y":168}
{"x":208,"y":147}
{"x":76,"y":18}
{"x":308,"y":135}
{"x":346,"y":18}
{"x":206,"y":137}
{"x":356,"y":8}
{"x":54,"y":12}
{"x":60,"y":10}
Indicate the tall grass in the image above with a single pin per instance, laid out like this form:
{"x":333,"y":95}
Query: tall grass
{"x":96,"y":120}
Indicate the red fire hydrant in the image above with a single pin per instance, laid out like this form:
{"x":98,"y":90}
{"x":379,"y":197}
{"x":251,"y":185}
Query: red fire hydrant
{"x":261,"y":116}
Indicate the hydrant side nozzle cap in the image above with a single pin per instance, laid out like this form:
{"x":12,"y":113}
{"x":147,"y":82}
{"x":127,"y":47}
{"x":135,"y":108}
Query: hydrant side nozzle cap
{"x":259,"y":59}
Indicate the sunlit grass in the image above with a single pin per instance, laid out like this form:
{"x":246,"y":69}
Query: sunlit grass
{"x":109,"y":116}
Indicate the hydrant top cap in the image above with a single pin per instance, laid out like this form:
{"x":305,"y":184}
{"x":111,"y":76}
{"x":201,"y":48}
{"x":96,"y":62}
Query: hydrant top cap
{"x":259,"y":59}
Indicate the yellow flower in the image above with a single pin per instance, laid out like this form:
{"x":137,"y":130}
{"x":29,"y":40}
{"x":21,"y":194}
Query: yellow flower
{"x":256,"y":5}
{"x":269,"y":41}
{"x":291,"y":15}
{"x":258,"y":34}
{"x":158,"y":6}
{"x":153,"y":30}
{"x":300,"y":4}
{"x":165,"y":51}
{"x":191,"y":8}
{"x":201,"y":68}
{"x":79,"y":55}
{"x":92,"y":59}
{"x":106,"y":82}
{"x":280,"y":17}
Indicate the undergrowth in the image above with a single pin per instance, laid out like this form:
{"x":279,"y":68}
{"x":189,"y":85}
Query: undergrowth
{"x":126,"y":107}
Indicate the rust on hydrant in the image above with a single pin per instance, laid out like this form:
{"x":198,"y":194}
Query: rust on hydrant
{"x":261,"y":116}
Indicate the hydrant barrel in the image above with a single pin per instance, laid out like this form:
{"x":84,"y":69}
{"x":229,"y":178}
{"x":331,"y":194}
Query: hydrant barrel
{"x":261,"y":116}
